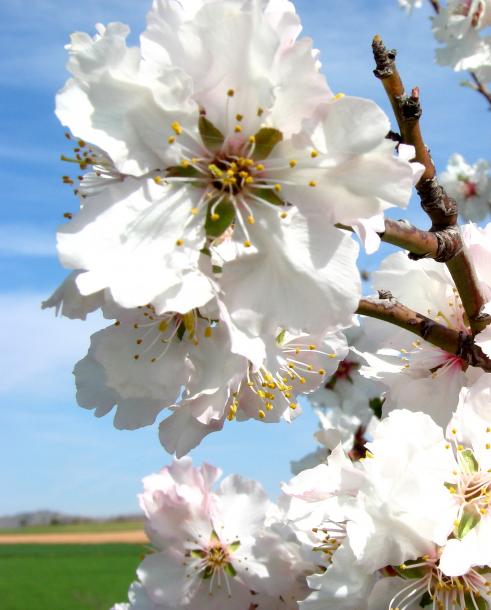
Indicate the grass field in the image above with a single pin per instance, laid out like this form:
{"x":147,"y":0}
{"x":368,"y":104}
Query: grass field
{"x":66,"y":577}
{"x":107,"y":526}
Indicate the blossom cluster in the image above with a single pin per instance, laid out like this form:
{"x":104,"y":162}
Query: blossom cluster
{"x":470,"y":186}
{"x":223,"y":191}
{"x":462,"y":28}
{"x":407,"y":526}
{"x":227,"y":548}
{"x":215,"y":165}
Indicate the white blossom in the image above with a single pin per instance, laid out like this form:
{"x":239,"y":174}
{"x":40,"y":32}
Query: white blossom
{"x":220,"y":551}
{"x":458,"y":26}
{"x":416,"y":373}
{"x":214,"y":140}
{"x":470,"y":186}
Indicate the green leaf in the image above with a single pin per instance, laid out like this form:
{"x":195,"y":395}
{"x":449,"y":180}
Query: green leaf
{"x":479,"y":602}
{"x":230,"y":570}
{"x":266,"y":139}
{"x":376,"y":405}
{"x":469,"y":461}
{"x":425,"y":600}
{"x":281,"y":337}
{"x":234,"y":546}
{"x":217,"y":269}
{"x":198,"y":554}
{"x":177,"y":171}
{"x":269,"y":195}
{"x":470,"y":518}
{"x":212,"y":137}
{"x":226,"y":216}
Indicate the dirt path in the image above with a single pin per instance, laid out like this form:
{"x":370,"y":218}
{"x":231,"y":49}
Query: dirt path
{"x":136,"y":537}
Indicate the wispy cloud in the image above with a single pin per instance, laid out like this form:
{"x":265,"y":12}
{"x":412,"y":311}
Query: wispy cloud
{"x":26,"y":240}
{"x":39,"y":350}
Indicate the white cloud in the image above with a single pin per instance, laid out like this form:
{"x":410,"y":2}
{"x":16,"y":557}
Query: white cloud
{"x":39,"y":350}
{"x":26,"y":240}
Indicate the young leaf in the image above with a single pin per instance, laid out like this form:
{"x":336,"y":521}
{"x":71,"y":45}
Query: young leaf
{"x":266,"y":139}
{"x":475,"y":602}
{"x":224,"y":216}
{"x":468,"y":459}
{"x":230,"y":570}
{"x":269,"y":195}
{"x":212,"y":137}
{"x":178,"y":171}
{"x":470,"y":518}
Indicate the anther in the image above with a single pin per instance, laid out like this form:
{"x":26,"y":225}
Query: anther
{"x":231,"y":93}
{"x":239,"y":117}
{"x":215,"y":217}
{"x":260,"y":111}
{"x":314,"y":154}
{"x":247,"y":243}
{"x":177,"y":128}
{"x":293,"y":163}
{"x":277,"y":188}
{"x":208,"y":332}
{"x":313,"y":183}
{"x":262,"y":414}
{"x":251,"y":220}
{"x":171,"y":140}
{"x":238,"y":129}
{"x":179,"y":242}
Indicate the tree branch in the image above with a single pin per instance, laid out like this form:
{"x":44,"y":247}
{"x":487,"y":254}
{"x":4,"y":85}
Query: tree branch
{"x":481,"y":88}
{"x":448,"y":339}
{"x":436,"y":5}
{"x":441,"y":209}
{"x":439,"y":245}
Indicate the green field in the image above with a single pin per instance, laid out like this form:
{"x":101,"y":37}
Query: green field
{"x":106,"y":526}
{"x":66,"y":577}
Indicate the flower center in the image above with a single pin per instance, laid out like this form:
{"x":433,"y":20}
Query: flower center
{"x":344,"y":371}
{"x":429,"y":585}
{"x":154,"y":334}
{"x":295,"y":365}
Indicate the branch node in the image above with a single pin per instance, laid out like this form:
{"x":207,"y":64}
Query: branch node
{"x":410,"y":107}
{"x":385,"y":294}
{"x":384,"y":59}
{"x":441,"y":208}
{"x":472,"y":353}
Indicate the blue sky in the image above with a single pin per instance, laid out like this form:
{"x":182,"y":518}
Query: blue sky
{"x":54,"y":454}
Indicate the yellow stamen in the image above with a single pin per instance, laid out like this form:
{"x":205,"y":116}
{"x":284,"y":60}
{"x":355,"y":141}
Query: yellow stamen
{"x":177,"y":128}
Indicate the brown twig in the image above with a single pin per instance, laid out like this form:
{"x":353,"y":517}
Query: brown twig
{"x":439,"y":245}
{"x":441,"y":209}
{"x":436,"y":5}
{"x":448,"y":339}
{"x":481,"y":87}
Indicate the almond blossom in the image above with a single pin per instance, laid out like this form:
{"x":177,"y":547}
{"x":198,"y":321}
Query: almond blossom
{"x":415,"y":372}
{"x":470,"y":186}
{"x":458,"y":27}
{"x":182,"y":360}
{"x":194,"y":145}
{"x":217,"y":553}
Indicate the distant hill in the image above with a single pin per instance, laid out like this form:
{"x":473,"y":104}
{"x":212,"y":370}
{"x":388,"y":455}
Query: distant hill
{"x":49,"y":517}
